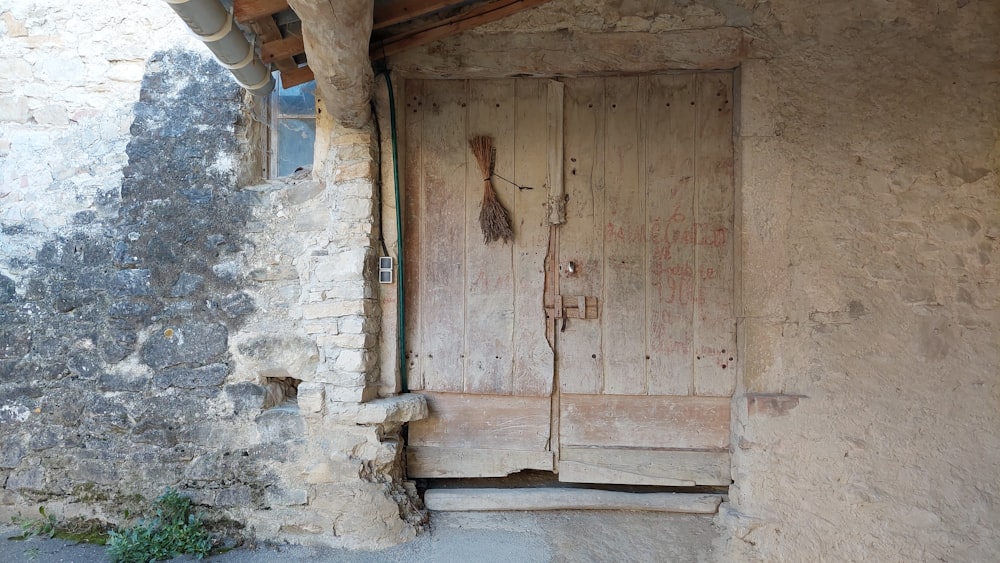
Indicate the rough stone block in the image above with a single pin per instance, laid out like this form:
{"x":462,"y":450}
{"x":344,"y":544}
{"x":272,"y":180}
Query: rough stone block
{"x":187,"y":283}
{"x":7,"y":290}
{"x":32,"y":478}
{"x":355,"y":171}
{"x":191,"y":378}
{"x":236,"y":496}
{"x":277,"y":496}
{"x":280,"y":426}
{"x":131,"y":283}
{"x":51,"y":114}
{"x":353,"y":324}
{"x":105,"y":473}
{"x":191,"y":343}
{"x":326,"y":309}
{"x":302,"y":192}
{"x":401,"y":408}
{"x":12,"y":452}
{"x":771,"y":404}
{"x":311,"y":397}
{"x":356,"y":361}
{"x":315,"y":219}
{"x":237,"y":304}
{"x":347,"y":265}
{"x":357,"y":208}
{"x":14,"y":108}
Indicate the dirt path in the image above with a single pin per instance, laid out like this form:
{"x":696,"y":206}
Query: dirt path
{"x":482,"y":537}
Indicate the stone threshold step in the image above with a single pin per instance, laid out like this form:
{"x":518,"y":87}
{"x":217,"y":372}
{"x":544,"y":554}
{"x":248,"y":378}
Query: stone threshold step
{"x":466,"y":500}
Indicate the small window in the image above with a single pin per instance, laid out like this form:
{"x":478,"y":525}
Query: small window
{"x":293,"y":127}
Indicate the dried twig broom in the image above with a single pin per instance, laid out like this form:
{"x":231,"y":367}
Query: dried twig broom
{"x":493,"y":218}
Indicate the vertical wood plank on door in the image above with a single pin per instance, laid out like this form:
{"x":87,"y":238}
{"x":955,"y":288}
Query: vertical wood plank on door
{"x":581,"y":238}
{"x":412,"y":194}
{"x":533,"y":358}
{"x":623,"y":313}
{"x":445,"y":152}
{"x":489,"y":286}
{"x":714,"y":326}
{"x":670,"y":138}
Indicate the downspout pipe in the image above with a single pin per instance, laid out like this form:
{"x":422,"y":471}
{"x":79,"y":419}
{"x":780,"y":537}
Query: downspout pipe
{"x":213,"y":24}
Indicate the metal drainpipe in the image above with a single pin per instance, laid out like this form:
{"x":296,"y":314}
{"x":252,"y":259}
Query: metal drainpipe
{"x":213,"y":24}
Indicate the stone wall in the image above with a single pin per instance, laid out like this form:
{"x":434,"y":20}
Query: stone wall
{"x":150,"y":300}
{"x":143,"y":308}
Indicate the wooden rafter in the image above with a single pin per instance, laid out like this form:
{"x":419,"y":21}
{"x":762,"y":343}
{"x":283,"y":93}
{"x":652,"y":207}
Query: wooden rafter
{"x":275,"y":49}
{"x":286,"y":48}
{"x":440,"y":29}
{"x":392,"y":12}
{"x":247,"y":10}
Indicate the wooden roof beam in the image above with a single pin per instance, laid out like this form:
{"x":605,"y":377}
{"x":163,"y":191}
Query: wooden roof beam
{"x":391,"y":12}
{"x":335,"y":36}
{"x":477,"y":16}
{"x":246,"y":10}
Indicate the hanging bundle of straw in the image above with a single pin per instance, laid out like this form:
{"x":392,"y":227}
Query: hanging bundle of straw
{"x":493,"y":218}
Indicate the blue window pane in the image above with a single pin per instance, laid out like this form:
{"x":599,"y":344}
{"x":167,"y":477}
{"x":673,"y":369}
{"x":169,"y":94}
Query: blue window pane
{"x":296,"y":138}
{"x":298,"y":100}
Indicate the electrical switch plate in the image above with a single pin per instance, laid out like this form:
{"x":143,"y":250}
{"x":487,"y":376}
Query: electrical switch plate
{"x":385,"y":269}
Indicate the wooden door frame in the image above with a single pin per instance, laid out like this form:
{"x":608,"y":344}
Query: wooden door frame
{"x":387,"y":348}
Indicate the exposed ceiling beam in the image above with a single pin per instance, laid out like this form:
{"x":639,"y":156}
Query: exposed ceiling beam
{"x":440,"y":29}
{"x":391,"y":12}
{"x":246,"y":10}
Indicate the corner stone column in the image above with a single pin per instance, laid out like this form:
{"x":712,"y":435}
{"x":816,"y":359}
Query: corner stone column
{"x":340,"y":306}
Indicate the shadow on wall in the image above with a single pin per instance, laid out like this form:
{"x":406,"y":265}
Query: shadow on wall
{"x":114,"y":348}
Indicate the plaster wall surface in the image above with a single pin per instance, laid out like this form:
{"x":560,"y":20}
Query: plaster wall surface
{"x":867,"y":421}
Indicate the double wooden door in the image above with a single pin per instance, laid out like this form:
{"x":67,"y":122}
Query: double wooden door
{"x":600,"y":343}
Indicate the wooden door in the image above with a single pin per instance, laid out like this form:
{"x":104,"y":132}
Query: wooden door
{"x":475,"y":323}
{"x":643,"y":389}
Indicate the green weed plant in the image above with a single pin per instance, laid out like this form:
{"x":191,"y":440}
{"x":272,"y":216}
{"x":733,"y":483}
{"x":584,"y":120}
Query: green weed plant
{"x":175,"y":530}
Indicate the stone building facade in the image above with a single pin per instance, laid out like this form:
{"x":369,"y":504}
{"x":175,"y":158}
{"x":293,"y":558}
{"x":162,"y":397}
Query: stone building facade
{"x":151,"y":283}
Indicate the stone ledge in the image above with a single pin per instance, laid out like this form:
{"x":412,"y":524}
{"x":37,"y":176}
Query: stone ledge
{"x":401,"y":408}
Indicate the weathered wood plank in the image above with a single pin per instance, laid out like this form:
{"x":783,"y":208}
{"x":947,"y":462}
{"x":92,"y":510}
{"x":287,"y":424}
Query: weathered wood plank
{"x":532,"y":356}
{"x":623,"y":314}
{"x":439,"y":29}
{"x":246,"y":10}
{"x":391,"y":12}
{"x":296,"y":76}
{"x":714,"y":323}
{"x":567,"y":499}
{"x":411,"y":106}
{"x":555,"y":99}
{"x":632,"y":421}
{"x":480,"y":421}
{"x":563,"y":53}
{"x":444,"y":150}
{"x":424,"y":462}
{"x":489,"y":284}
{"x":580,"y":357}
{"x":667,"y":468}
{"x":670,"y":275}
{"x":281,"y":49}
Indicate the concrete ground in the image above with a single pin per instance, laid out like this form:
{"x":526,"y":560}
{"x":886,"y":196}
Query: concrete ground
{"x":480,"y":537}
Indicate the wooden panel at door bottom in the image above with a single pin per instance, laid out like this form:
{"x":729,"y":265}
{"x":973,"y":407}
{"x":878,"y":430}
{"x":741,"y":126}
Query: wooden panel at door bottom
{"x":641,"y":421}
{"x":427,"y":462}
{"x":501,"y":422}
{"x":665,"y":468}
